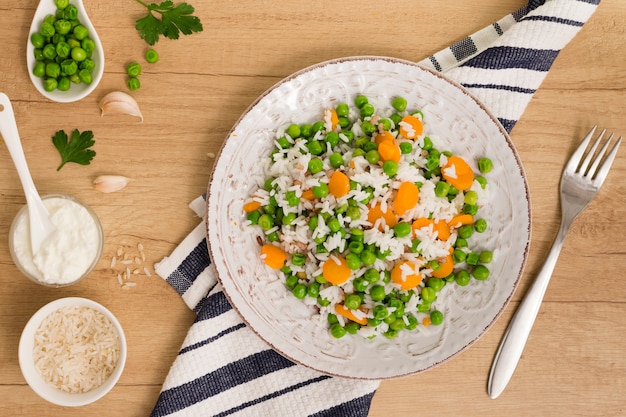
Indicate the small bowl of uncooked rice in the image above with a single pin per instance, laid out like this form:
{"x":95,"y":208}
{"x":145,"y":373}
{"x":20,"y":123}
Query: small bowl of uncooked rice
{"x":72,"y":351}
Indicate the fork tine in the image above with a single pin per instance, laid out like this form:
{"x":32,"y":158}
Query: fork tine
{"x":598,"y":158}
{"x":574,"y":160}
{"x":583,"y":167}
{"x":600,"y":176}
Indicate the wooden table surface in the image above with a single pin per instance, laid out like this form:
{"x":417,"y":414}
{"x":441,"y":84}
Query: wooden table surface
{"x":575,"y":361}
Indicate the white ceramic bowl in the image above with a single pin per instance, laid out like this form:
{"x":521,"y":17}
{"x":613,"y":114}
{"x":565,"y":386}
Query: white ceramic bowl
{"x":20,"y":258}
{"x":32,"y":375}
{"x":464,"y":126}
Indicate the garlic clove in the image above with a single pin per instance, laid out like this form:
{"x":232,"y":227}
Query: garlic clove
{"x":110,"y":183}
{"x":118,"y":102}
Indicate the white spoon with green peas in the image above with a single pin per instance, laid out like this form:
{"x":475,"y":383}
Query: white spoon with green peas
{"x":40,"y":224}
{"x":64,"y":54}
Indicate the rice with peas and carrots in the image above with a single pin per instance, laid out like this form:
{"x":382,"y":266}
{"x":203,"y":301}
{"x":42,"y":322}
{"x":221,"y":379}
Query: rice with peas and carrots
{"x":368,"y":220}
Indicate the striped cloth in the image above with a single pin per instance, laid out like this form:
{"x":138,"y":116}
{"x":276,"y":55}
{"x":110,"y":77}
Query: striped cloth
{"x":223,"y":368}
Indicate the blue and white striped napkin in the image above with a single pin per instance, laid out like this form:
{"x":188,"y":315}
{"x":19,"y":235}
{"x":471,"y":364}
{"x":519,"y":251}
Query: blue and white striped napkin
{"x":223,"y":368}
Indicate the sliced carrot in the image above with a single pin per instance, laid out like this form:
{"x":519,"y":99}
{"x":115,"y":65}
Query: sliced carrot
{"x":330,"y":115}
{"x":335,"y":270}
{"x":389,"y":151}
{"x":273,"y":256}
{"x":349,"y":314}
{"x":376,"y":213}
{"x":411,"y":127}
{"x":383,"y":136}
{"x":421,"y":222}
{"x":339,"y":184}
{"x":442,"y":229}
{"x":251,"y":206}
{"x":445,"y":269}
{"x":460,"y":220}
{"x":404,"y":274}
{"x":458,"y":173}
{"x":308,"y":195}
{"x":426,"y":321}
{"x":406,"y":198}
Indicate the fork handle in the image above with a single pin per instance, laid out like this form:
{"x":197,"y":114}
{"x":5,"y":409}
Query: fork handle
{"x":515,"y":337}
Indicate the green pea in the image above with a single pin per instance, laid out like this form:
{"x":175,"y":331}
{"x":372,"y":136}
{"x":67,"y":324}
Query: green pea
{"x":299,"y":291}
{"x":486,"y":257}
{"x":317,"y":126}
{"x":399,"y":103}
{"x":406,"y":148}
{"x":289,"y":218}
{"x":368,"y":258}
{"x":71,"y":12}
{"x":62,"y":26}
{"x":412,"y":322}
{"x":152,"y":56}
{"x":423,"y":308}
{"x":357,"y":235}
{"x":353,"y":261}
{"x":323,"y":301}
{"x":367,"y":110}
{"x":435,"y":283}
{"x":402,"y":229}
{"x":485,"y":165}
{"x":272,"y":237}
{"x":313,"y":290}
{"x":38,"y":40}
{"x":320,"y":191}
{"x":480,"y":225}
{"x":291,"y":281}
{"x":470,"y":209}
{"x":315,"y":147}
{"x":337,"y":331}
{"x":88,"y":45}
{"x":336,"y":160}
{"x":470,"y":197}
{"x":358,"y":152}
{"x":367,"y":127}
{"x":480,"y":272}
{"x":352,"y":327}
{"x":47,"y":30}
{"x":370,"y":146}
{"x":391,"y":334}
{"x":293,"y":130}
{"x":349,"y":136}
{"x":53,"y":69}
{"x":342,"y":109}
{"x":472,"y":258}
{"x":315,"y":165}
{"x":266,"y":222}
{"x":298,"y":259}
{"x":397,"y":325}
{"x":78,"y":54}
{"x":38,"y":54}
{"x":442,"y":188}
{"x":462,"y":278}
{"x":377,"y":292}
{"x":49,"y":51}
{"x":460,"y":243}
{"x":372,"y":322}
{"x":372,"y":156}
{"x":133,"y":69}
{"x":396,"y":118}
{"x":85,"y":76}
{"x":61,"y":4}
{"x":428,"y":294}
{"x":360,"y":100}
{"x":332,"y":138}
{"x":283,"y":143}
{"x":466,"y":231}
{"x":292,"y":199}
{"x":353,"y":212}
{"x":372,"y":276}
{"x":332,"y":319}
{"x":39,"y":70}
{"x":390,"y":168}
{"x":254,"y":216}
{"x":352,"y":301}
{"x":81,"y":32}
{"x":50,"y":84}
{"x":482,"y":181}
{"x":428,"y":144}
{"x":63,"y":49}
{"x":360,"y":284}
{"x":436,"y":317}
{"x":458,"y":256}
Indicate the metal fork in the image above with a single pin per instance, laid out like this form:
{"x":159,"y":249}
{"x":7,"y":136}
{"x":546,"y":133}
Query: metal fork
{"x":580,"y":182}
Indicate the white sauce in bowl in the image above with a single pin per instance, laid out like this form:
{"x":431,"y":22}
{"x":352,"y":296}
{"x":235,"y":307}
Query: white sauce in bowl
{"x":68,"y":253}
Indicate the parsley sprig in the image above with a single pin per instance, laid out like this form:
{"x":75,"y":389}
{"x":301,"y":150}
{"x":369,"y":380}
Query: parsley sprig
{"x":174,"y":20}
{"x":75,"y":149}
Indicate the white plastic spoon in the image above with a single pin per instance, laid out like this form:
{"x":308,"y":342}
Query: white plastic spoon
{"x":76,"y":91}
{"x":40,"y":224}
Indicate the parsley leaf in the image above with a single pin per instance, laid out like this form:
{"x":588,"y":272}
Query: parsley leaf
{"x":174,"y":20}
{"x":76,"y":149}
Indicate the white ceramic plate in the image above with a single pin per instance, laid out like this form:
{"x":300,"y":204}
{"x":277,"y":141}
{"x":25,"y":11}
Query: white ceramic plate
{"x":257,"y":293}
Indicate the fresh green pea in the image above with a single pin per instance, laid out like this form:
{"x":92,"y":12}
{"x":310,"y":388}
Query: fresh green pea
{"x":337,"y":331}
{"x":298,"y":259}
{"x":332,"y":138}
{"x":352,"y":327}
{"x":313,"y":222}
{"x":442,"y":188}
{"x":343,"y":122}
{"x":486,"y":257}
{"x":342,"y":109}
{"x":353,"y":261}
{"x":317,"y":127}
{"x":133,"y":83}
{"x":402,"y":229}
{"x":81,"y":32}
{"x":391,"y":334}
{"x":78,"y":54}
{"x":38,"y":40}
{"x":485,"y":165}
{"x":355,"y":248}
{"x":291,"y":281}
{"x":321,"y":190}
{"x":360,"y":100}
{"x":152,"y":56}
{"x":369,"y":146}
{"x":372,"y":276}
{"x":73,"y":42}
{"x":272,"y":237}
{"x":85,"y":76}
{"x":399,"y":103}
{"x":390,"y":168}
{"x":88,"y":45}
{"x":289,"y":218}
{"x":254,"y":216}
{"x":38,"y":54}
{"x":435,"y":283}
{"x":332,"y":318}
{"x":299,"y":291}
{"x":397,"y":325}
{"x":336,"y":160}
{"x":47,"y":29}
{"x":368,"y":258}
{"x":39,"y":70}
{"x":470,"y":209}
{"x":460,"y":243}
{"x":480,"y":225}
{"x":352,"y":301}
{"x":423,"y":308}
{"x":466,"y":231}
{"x":313,"y":290}
{"x":372,"y":156}
{"x":71,"y":12}
{"x":428,"y":144}
{"x":63,"y":49}
{"x":406,"y":148}
{"x":358,"y":152}
{"x":372,"y":322}
{"x":292,"y":199}
{"x":367,"y":110}
{"x":50,"y":84}
{"x":360,"y":284}
{"x":357,"y":235}
{"x":412,"y":322}
{"x":315,"y":147}
{"x":315,"y":165}
{"x":53,"y":70}
{"x":62,"y":27}
{"x":74,"y":78}
{"x":333,"y":224}
{"x":367,"y":127}
{"x":349,"y":136}
{"x":472,"y":258}
{"x":49,"y":51}
{"x":428,"y":294}
{"x":266,"y":222}
{"x":293,"y":130}
{"x":458,"y":256}
{"x":482,"y":181}
{"x":377,"y":292}
{"x":353,"y":212}
{"x":415,"y":245}
{"x":133,"y":69}
{"x":323,"y":301}
{"x":61,"y":4}
{"x":480,"y":272}
{"x":436,"y":317}
{"x":462,"y":278}
{"x":470,"y":197}
{"x":380,"y":312}
{"x":283,"y":143}
{"x":396,"y":118}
